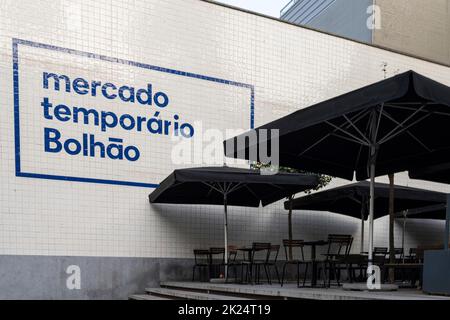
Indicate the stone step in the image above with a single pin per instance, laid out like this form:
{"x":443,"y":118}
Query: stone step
{"x":363,"y":287}
{"x":146,"y":297}
{"x":290,"y":291}
{"x":248,"y":291}
{"x":190,"y":295}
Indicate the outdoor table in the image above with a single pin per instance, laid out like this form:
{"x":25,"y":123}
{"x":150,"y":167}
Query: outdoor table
{"x":356,"y":262}
{"x":248,"y":250}
{"x":313,"y":245}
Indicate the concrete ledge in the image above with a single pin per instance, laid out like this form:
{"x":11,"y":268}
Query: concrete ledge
{"x":363,"y":287}
{"x":191,"y":295}
{"x":292,"y":292}
{"x":45,"y":277}
{"x":147,"y":297}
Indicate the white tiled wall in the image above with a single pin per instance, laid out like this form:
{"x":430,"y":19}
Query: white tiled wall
{"x":289,"y":67}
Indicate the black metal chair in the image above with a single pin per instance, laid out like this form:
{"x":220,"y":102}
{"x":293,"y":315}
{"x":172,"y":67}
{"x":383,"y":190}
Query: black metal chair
{"x":356,"y":262}
{"x":202,"y":260}
{"x":217,"y":261}
{"x":379,"y":256}
{"x":412,"y":256}
{"x":380,"y":251}
{"x":271,"y":263}
{"x":233,"y":263}
{"x":259,"y":255}
{"x":339,"y":247}
{"x":399,"y":253}
{"x":294,"y":255}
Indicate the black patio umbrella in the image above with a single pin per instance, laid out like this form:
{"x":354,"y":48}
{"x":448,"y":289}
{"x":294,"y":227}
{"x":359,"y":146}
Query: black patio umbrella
{"x":436,"y":173}
{"x":353,"y":200}
{"x":229,"y":187}
{"x":387,"y":127}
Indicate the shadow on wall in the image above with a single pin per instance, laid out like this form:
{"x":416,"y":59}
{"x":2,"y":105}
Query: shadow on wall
{"x":316,"y":225}
{"x":189,"y":227}
{"x":194,"y":227}
{"x":421,"y":232}
{"x":418,"y":232}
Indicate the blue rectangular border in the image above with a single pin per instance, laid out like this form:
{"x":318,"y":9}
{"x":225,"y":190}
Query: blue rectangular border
{"x":15,"y":51}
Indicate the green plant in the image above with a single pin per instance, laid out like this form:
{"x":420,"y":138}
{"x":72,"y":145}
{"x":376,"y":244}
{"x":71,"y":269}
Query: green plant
{"x":324,"y":180}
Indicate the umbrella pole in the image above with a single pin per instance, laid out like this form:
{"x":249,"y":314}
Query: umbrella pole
{"x":362,"y":224}
{"x":372,"y":161}
{"x":362,"y":234}
{"x":403,"y":235}
{"x":371,"y":203}
{"x":447,"y":224}
{"x":226,"y":234}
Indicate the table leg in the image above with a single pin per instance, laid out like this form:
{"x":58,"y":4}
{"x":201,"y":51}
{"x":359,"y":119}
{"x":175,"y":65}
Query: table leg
{"x":314,"y":267}
{"x":314,"y":274}
{"x":250,"y":268}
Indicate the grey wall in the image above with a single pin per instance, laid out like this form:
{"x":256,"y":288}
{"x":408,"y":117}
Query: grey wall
{"x":44,"y":277}
{"x":347,"y":18}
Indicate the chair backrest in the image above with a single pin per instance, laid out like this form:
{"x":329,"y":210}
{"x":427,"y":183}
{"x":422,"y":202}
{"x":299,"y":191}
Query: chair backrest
{"x":398,"y":253}
{"x":261,"y":251}
{"x":232,"y":253}
{"x":261,"y":245}
{"x":379,"y":259}
{"x":217,"y":253}
{"x":339,"y":245}
{"x":379,"y":255}
{"x":272,"y":257}
{"x":356,"y":259}
{"x":413,"y":256}
{"x":380,"y":251}
{"x":202,"y":256}
{"x":296,"y":247}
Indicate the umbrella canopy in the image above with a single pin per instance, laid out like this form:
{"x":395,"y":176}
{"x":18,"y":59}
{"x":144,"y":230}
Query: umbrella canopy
{"x":229,"y":186}
{"x":398,"y":116}
{"x":244,"y":187}
{"x":352,"y":200}
{"x":386,"y":127}
{"x":436,"y":173}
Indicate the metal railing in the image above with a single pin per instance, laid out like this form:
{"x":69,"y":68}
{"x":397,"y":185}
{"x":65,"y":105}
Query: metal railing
{"x":288,"y":6}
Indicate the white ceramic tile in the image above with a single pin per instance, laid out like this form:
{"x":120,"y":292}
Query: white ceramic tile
{"x":289,"y":67}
